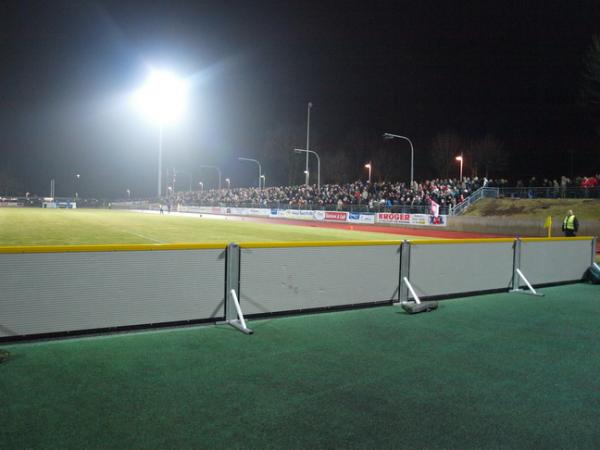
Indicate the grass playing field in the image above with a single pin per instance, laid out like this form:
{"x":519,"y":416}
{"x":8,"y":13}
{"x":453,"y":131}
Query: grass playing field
{"x":28,"y":226}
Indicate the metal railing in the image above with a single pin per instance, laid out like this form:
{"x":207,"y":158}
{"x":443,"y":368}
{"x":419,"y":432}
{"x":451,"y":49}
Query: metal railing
{"x":484,"y":192}
{"x":550,"y":192}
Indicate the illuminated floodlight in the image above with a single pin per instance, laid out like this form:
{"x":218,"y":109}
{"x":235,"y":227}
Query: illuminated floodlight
{"x":163,"y":97}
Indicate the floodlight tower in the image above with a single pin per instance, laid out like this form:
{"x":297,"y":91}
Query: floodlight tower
{"x":162,"y":99}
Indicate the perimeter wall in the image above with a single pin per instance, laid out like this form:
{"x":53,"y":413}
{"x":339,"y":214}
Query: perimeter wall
{"x":48,"y":290}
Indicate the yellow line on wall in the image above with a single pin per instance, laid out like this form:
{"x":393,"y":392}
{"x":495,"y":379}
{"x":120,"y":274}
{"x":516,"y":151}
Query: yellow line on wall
{"x":545,"y":239}
{"x":462,"y":241}
{"x":317,"y":244}
{"x":108,"y":248}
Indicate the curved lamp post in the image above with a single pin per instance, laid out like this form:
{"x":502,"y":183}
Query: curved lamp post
{"x":300,"y":150}
{"x":369,"y":166}
{"x":259,"y":167}
{"x":412,"y":152}
{"x":460,"y":158}
{"x":216,"y":168}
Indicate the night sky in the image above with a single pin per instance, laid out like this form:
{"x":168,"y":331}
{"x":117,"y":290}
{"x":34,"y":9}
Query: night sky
{"x":422,"y":68}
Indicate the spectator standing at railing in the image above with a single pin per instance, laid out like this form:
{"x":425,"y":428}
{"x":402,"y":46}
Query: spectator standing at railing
{"x":570,"y":224}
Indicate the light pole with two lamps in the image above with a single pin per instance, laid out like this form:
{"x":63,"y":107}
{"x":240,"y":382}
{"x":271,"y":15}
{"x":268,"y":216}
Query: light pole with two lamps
{"x":217,"y":169}
{"x":300,"y":150}
{"x":179,"y":172}
{"x":259,"y":168}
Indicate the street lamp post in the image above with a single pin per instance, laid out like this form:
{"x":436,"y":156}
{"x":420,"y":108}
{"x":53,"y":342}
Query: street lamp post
{"x":460,"y":158}
{"x":163,"y":99}
{"x":368,"y":166}
{"x":228,"y":181}
{"x":216,"y":168}
{"x":178,"y":172}
{"x":259,"y":167}
{"x":264,"y":181}
{"x":201,"y":184}
{"x":77,"y":176}
{"x":309,"y":107}
{"x":412,"y":152}
{"x":300,"y":150}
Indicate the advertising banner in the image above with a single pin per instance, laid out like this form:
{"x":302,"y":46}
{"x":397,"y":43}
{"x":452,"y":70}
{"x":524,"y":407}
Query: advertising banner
{"x":395,"y":218}
{"x":419,"y":219}
{"x":361,"y":218}
{"x":438,"y":221}
{"x":336,"y":216}
{"x":298,"y":214}
{"x":263,"y":212}
{"x":319,"y":215}
{"x":411,"y":219}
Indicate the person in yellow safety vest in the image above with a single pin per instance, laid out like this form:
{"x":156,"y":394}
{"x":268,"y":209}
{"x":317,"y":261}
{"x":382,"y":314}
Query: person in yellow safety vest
{"x":570,"y":224}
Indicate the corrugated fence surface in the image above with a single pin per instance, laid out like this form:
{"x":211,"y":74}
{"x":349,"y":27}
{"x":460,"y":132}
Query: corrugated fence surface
{"x":297,"y":278}
{"x":454,"y":268}
{"x":68,"y":289}
{"x":59,"y":292}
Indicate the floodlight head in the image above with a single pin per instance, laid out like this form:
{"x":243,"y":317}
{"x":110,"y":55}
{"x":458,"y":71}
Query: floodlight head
{"x":162,"y":98}
{"x":459,"y":158}
{"x":388,"y":136}
{"x":368,"y":166}
{"x":297,"y":150}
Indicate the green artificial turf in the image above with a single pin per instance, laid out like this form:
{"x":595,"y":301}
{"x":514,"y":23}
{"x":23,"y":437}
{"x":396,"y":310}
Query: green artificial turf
{"x":495,"y":371}
{"x":29,"y":226}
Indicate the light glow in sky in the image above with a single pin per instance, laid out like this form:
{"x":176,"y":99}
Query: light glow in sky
{"x":163,"y":97}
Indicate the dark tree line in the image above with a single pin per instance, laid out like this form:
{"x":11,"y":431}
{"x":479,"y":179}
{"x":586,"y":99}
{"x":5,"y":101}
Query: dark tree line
{"x":590,"y":85}
{"x":344,"y":159}
{"x":10,"y":184}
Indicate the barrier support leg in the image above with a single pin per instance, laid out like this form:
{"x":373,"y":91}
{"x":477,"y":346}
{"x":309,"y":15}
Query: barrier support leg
{"x":531,"y":290}
{"x":238,"y":323}
{"x":233,"y":311}
{"x":412,"y":291}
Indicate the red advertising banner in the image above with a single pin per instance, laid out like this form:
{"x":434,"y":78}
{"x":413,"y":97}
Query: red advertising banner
{"x":336,"y":216}
{"x":393,"y":218}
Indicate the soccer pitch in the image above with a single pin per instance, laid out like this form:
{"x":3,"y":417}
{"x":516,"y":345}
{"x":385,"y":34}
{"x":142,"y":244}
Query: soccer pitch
{"x":29,"y":226}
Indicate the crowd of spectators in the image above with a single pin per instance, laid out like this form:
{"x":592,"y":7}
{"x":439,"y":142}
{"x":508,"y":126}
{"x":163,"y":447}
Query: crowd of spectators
{"x":561,"y":187}
{"x":377,"y":195}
